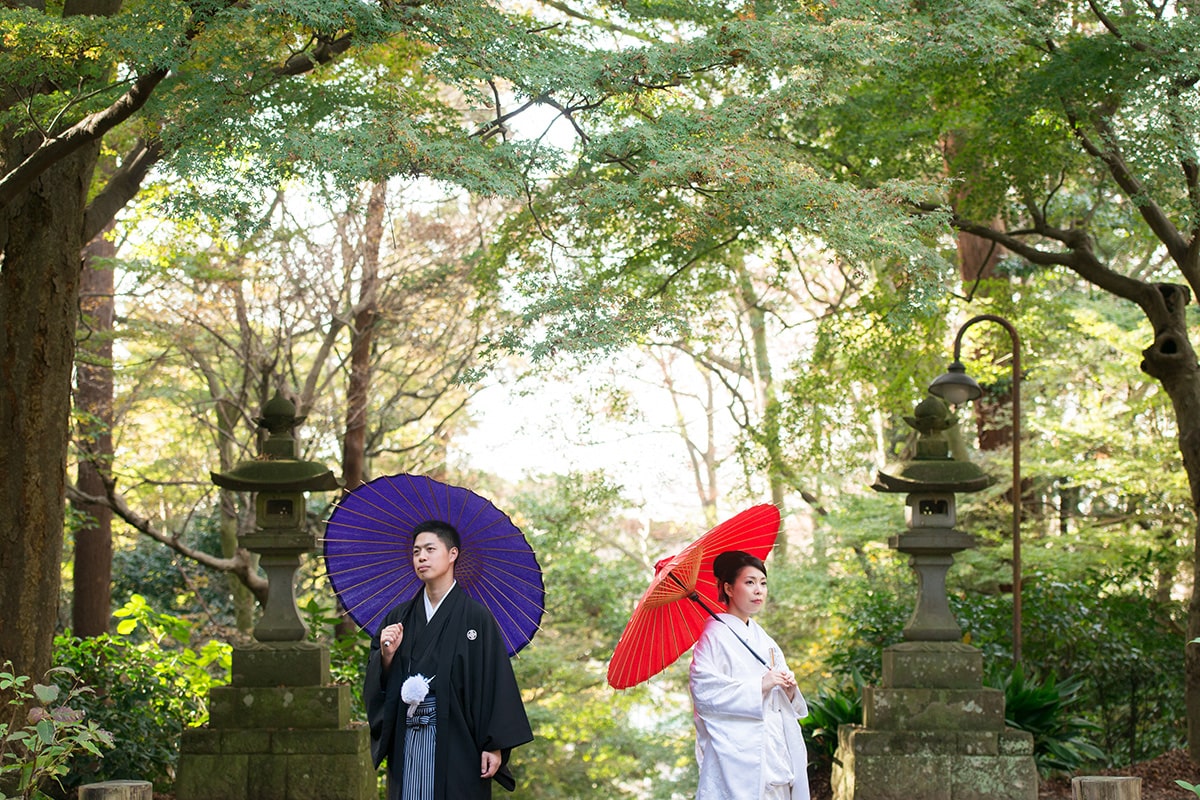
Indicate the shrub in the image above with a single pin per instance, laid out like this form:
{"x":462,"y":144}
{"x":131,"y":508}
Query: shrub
{"x":1060,"y":741}
{"x":147,"y":691}
{"x":56,"y":732}
{"x":832,"y":707}
{"x":869,"y":621}
{"x":1109,"y":632}
{"x":1105,"y":636}
{"x":347,"y":654}
{"x":170,"y":581}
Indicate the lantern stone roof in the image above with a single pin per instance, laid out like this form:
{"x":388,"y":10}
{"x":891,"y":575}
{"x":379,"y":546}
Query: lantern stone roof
{"x":932,"y":468}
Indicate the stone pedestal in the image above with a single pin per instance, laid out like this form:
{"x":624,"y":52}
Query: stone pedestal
{"x":279,"y":731}
{"x":932,"y":731}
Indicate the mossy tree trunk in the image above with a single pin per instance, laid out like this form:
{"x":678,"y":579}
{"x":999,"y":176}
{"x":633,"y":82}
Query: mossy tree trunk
{"x":41,"y":237}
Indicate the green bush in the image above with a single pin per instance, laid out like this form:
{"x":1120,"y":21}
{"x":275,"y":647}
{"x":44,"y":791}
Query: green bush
{"x":173,"y":582}
{"x":1060,"y":741}
{"x":832,"y":707}
{"x":347,"y":654}
{"x":868,"y":621}
{"x":56,"y":732}
{"x":148,"y":689}
{"x":1107,"y":631}
{"x":1104,"y":634}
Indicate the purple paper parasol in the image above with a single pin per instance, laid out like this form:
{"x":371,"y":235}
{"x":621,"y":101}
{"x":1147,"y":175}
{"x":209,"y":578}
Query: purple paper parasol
{"x":368,"y":553}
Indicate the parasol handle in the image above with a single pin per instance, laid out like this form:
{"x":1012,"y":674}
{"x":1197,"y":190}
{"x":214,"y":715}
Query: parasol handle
{"x":695,"y":596}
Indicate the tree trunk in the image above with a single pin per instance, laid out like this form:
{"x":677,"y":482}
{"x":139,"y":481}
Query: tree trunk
{"x":362,"y":338}
{"x":227,"y":419}
{"x":701,"y":455}
{"x":243,"y":597}
{"x":1171,"y":360}
{"x":1106,"y":788}
{"x":977,"y":258}
{"x":41,"y":239}
{"x":977,"y":255}
{"x":765,"y":385}
{"x":1166,"y":575}
{"x":92,"y":600}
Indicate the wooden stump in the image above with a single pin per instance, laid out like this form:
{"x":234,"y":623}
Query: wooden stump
{"x":117,"y":790}
{"x":1106,"y":788}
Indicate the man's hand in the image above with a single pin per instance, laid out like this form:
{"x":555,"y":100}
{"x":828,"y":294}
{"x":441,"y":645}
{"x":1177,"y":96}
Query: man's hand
{"x":489,"y":763}
{"x":389,"y":642}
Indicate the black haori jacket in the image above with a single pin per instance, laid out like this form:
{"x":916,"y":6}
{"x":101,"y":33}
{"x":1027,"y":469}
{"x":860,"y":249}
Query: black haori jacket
{"x":479,"y":705}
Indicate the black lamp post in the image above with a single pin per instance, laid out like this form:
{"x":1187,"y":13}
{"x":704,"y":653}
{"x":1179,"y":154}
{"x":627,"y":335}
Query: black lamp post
{"x":956,"y":388}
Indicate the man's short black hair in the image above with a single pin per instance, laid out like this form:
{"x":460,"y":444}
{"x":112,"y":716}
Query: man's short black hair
{"x":443,"y":530}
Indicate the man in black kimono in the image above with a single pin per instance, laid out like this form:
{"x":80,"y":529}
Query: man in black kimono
{"x":461,"y":711}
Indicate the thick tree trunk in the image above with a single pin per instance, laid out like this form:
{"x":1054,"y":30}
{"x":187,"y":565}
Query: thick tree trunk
{"x":1171,"y":360}
{"x":977,"y":258}
{"x":41,"y":238}
{"x":92,"y":600}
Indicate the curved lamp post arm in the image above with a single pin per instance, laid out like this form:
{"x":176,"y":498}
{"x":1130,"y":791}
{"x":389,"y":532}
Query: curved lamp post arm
{"x":1016,"y":462}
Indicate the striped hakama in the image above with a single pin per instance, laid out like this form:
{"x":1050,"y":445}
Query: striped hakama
{"x":420,"y":742}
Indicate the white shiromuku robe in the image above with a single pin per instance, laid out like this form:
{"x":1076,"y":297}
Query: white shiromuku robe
{"x":744,"y":742}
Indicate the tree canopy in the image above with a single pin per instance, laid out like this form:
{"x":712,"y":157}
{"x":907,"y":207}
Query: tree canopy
{"x":690,"y":159}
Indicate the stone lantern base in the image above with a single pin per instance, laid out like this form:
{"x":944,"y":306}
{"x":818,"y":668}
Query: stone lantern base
{"x":932,"y":731}
{"x":280,"y":731}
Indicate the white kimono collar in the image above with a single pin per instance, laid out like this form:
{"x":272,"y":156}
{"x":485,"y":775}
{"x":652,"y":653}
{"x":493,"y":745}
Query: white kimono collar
{"x":430,"y":608}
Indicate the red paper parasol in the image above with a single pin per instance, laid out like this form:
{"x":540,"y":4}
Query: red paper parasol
{"x":683,"y":595}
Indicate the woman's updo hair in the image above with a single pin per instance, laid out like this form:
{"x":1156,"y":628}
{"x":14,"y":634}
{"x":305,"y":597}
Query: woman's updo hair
{"x":728,"y":565}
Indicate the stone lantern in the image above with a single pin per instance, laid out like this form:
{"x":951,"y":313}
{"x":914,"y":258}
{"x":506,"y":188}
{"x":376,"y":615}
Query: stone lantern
{"x":281,"y":730}
{"x":930,"y":729}
{"x":279,"y":480}
{"x":931,"y":480}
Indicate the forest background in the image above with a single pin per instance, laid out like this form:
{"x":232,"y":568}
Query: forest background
{"x":768,"y":218}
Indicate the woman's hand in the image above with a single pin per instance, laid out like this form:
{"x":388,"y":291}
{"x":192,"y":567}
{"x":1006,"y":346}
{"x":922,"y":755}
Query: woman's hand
{"x":389,"y":642}
{"x":781,"y":678}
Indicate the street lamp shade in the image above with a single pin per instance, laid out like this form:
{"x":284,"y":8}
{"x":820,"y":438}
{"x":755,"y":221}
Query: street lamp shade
{"x":955,"y":386}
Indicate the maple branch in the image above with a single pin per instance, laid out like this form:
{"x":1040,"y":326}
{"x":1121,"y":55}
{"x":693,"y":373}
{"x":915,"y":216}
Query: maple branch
{"x":1150,"y":211}
{"x":240,"y":565}
{"x":124,"y":184}
{"x":87,"y":130}
{"x":1078,"y":257}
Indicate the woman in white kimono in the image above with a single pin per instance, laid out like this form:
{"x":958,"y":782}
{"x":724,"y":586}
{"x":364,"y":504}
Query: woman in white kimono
{"x":747,"y":711}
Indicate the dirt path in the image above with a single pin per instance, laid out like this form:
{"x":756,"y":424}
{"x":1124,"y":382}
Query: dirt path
{"x":1158,"y":779}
